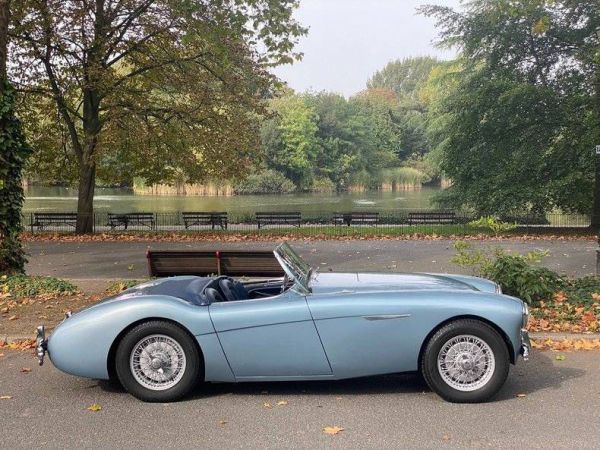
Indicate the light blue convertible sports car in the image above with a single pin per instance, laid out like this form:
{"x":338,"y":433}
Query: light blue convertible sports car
{"x":161,"y":338}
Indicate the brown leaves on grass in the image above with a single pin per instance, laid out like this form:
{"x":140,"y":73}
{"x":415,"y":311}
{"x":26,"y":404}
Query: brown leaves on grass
{"x":566,"y":344}
{"x":562,"y":316}
{"x":273,"y":235}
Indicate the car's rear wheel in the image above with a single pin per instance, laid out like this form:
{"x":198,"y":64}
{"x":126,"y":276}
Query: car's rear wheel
{"x":158,"y":361}
{"x":466,"y":361}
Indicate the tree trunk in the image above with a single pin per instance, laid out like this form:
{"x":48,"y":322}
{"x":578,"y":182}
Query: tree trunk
{"x":87,"y":163}
{"x":85,"y":201}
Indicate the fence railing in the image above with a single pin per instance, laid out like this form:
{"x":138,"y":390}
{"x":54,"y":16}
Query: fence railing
{"x":387,"y":222}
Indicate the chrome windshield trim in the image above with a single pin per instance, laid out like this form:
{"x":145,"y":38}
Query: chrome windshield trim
{"x":294,"y":266}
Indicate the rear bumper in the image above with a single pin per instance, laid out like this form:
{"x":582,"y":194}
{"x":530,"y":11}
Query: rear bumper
{"x":525,"y":349}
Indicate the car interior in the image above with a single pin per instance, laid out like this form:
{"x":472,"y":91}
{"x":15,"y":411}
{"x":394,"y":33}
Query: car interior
{"x":226,"y":289}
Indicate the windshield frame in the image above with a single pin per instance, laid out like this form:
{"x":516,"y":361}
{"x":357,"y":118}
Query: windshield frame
{"x":294,"y":266}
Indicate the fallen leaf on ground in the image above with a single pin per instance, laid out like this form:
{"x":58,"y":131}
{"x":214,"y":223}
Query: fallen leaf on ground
{"x":222,"y":422}
{"x":95,"y":407}
{"x":5,"y":397}
{"x":332,"y":430}
{"x":521,"y":395}
{"x":282,"y":402}
{"x":267,"y":405}
{"x":13,"y":318}
{"x":560,"y":357}
{"x":25,"y":369}
{"x":446,"y":437}
{"x":566,"y":344}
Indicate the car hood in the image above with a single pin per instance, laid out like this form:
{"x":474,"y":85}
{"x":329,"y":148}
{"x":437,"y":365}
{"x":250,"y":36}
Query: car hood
{"x":326,"y":283}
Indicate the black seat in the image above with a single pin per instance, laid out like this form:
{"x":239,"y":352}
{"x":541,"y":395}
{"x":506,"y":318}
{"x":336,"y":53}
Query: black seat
{"x":233,"y":290}
{"x":213,"y":295}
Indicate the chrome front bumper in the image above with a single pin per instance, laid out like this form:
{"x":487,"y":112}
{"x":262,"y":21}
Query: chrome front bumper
{"x":42,"y":344}
{"x":525,"y":344}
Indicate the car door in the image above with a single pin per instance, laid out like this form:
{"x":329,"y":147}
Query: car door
{"x":272,"y":338}
{"x":366,"y":334}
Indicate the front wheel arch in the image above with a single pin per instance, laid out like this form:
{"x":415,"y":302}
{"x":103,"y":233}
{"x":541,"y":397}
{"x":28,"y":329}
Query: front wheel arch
{"x":505,"y":338}
{"x":110,"y":360}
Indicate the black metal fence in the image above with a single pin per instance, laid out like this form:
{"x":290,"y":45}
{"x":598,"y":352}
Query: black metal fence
{"x":387,"y":222}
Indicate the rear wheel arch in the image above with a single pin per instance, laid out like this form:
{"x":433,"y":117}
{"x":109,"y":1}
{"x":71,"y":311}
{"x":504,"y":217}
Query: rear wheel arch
{"x":499,"y":330}
{"x":110,"y":362}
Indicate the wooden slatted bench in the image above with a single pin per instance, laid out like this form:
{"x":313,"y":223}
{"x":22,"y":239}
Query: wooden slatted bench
{"x":356,"y":218}
{"x":432,"y":217}
{"x":278,"y":218}
{"x":42,"y":220}
{"x":137,"y":218}
{"x":166,"y":263}
{"x":205,"y":218}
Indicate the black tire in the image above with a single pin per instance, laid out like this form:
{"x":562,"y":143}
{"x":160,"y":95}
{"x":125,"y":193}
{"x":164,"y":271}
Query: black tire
{"x":482,"y":331}
{"x":191,"y":373}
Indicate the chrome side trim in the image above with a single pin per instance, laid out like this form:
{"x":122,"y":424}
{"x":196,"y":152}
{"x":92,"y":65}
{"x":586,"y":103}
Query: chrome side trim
{"x":387,"y":317}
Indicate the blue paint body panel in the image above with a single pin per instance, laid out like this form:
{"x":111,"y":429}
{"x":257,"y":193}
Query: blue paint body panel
{"x":349,"y":325}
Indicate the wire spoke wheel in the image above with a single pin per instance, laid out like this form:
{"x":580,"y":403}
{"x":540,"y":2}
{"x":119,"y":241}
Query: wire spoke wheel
{"x":157,"y":362}
{"x":466,"y":363}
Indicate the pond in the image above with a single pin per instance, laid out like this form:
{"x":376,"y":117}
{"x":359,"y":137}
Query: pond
{"x":122,"y":200}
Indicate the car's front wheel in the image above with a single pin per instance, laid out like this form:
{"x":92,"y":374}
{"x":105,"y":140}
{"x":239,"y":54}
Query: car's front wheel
{"x":466,"y":361}
{"x":158,"y":361}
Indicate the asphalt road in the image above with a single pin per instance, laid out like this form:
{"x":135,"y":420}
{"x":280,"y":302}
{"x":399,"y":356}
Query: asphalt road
{"x":561,"y":409}
{"x":96,"y":262}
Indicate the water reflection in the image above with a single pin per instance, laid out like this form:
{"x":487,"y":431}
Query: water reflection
{"x":123,"y":200}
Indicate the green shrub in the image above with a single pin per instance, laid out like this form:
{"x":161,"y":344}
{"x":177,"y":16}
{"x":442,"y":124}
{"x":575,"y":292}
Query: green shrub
{"x":493,"y":224}
{"x":29,"y":286}
{"x":323,"y":184}
{"x":518,"y":277}
{"x":516,"y":274}
{"x":265,"y":182}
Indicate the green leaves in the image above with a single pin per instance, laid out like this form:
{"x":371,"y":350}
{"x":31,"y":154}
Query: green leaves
{"x":516,"y":128}
{"x":13,"y":154}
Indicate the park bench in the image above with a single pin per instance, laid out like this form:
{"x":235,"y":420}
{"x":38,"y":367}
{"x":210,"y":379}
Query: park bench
{"x":356,"y":218}
{"x":41,"y":220}
{"x":278,"y":218}
{"x":166,"y":263}
{"x":205,"y":218}
{"x":432,"y":217}
{"x":137,"y":218}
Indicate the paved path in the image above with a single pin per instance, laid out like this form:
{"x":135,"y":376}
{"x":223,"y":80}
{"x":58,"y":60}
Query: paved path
{"x":561,"y":410}
{"x":96,"y":262}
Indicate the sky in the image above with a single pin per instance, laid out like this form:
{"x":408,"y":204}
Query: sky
{"x":349,"y":40}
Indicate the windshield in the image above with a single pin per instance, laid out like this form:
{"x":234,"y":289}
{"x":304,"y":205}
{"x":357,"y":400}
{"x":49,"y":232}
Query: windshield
{"x":294,"y":266}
